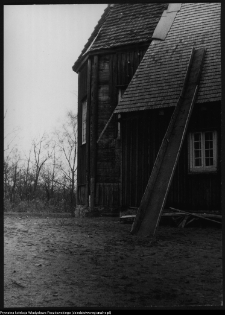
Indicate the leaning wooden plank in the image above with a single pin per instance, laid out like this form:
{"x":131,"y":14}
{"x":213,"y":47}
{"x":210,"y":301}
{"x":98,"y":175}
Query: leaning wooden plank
{"x":153,"y":200}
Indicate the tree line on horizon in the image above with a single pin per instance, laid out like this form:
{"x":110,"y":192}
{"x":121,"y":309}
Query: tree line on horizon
{"x":45,"y":178}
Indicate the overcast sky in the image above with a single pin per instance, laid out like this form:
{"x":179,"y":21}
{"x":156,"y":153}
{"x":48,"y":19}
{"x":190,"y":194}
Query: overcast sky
{"x":41,"y":44}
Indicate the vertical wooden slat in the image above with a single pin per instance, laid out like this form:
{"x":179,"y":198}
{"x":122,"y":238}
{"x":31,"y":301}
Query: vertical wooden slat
{"x":131,"y":64}
{"x":79,"y":131}
{"x":118,"y":69}
{"x":136,"y":166}
{"x":93,"y":144}
{"x":79,"y":142}
{"x":130,"y":164}
{"x":111,"y":80}
{"x":114,"y":83}
{"x":126,"y":164}
{"x":88,"y":131}
{"x":120,"y":186}
{"x":132,"y":156}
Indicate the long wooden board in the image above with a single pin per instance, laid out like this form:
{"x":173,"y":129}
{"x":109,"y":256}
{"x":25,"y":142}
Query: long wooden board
{"x":153,"y":200}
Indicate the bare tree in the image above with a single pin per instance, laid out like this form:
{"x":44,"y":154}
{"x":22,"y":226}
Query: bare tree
{"x":49,"y":172}
{"x":26,"y":176}
{"x":67,"y":143}
{"x":14,"y":174}
{"x":9,"y":138}
{"x":39,"y":158}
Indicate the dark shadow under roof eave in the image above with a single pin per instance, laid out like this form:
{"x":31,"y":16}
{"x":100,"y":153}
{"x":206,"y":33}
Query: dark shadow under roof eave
{"x":141,"y":108}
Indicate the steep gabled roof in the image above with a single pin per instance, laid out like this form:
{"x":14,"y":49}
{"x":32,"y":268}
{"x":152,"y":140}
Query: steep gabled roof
{"x":123,"y":24}
{"x":93,"y":35}
{"x":159,"y":79}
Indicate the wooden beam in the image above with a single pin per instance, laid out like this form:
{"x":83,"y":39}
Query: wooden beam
{"x":78,"y":139}
{"x":94,"y":120}
{"x":88,"y":131}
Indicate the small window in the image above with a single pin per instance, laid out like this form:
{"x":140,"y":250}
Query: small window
{"x":84,"y":121}
{"x":203,"y":151}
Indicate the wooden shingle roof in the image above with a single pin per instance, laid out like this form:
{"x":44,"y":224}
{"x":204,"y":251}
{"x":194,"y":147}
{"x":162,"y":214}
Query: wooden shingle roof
{"x":159,"y":78}
{"x":123,"y":24}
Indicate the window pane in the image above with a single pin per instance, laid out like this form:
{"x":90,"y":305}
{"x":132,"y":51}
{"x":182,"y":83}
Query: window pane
{"x":208,"y":136}
{"x":198,"y":162}
{"x":197,"y":145}
{"x":208,"y":149}
{"x":197,"y":137}
{"x":197,"y":154}
{"x":208,"y":144}
{"x":197,"y":150}
{"x":203,"y":151}
{"x":209,"y":161}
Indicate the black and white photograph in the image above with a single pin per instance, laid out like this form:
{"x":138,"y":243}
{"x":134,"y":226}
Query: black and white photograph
{"x":112,"y":156}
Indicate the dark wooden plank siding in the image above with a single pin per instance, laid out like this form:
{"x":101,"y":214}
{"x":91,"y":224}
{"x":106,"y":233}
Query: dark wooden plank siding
{"x":127,"y":64}
{"x":100,"y":85}
{"x":83,"y":82}
{"x":198,"y":191}
{"x":140,"y":147}
{"x":81,"y":194}
{"x":107,"y":194}
{"x":88,"y":131}
{"x":115,"y":70}
{"x":142,"y":134}
{"x":81,"y":161}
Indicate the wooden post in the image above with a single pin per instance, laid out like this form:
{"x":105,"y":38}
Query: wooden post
{"x":92,"y":194}
{"x":93,"y":136}
{"x":88,"y":132}
{"x":78,"y":138}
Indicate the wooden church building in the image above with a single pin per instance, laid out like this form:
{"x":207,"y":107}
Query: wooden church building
{"x":131,"y":74}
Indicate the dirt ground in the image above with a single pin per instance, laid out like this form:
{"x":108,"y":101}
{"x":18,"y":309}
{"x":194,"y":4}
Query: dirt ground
{"x":95,"y":262}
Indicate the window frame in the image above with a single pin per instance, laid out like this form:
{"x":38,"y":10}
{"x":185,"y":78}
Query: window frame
{"x":203,"y":168}
{"x":83,"y":121}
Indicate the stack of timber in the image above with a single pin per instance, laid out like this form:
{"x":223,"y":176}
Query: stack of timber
{"x":181,"y":218}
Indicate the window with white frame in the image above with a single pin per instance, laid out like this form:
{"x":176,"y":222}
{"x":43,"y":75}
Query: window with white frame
{"x":203,"y":151}
{"x":84,"y":121}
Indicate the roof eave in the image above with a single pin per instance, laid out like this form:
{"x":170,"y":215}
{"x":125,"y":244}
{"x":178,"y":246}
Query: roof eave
{"x":79,"y":60}
{"x":79,"y":63}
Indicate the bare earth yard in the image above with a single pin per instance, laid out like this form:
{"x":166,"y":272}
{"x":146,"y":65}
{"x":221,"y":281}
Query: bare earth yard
{"x":95,"y":262}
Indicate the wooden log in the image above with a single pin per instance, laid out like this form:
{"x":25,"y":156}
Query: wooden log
{"x":182,"y":224}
